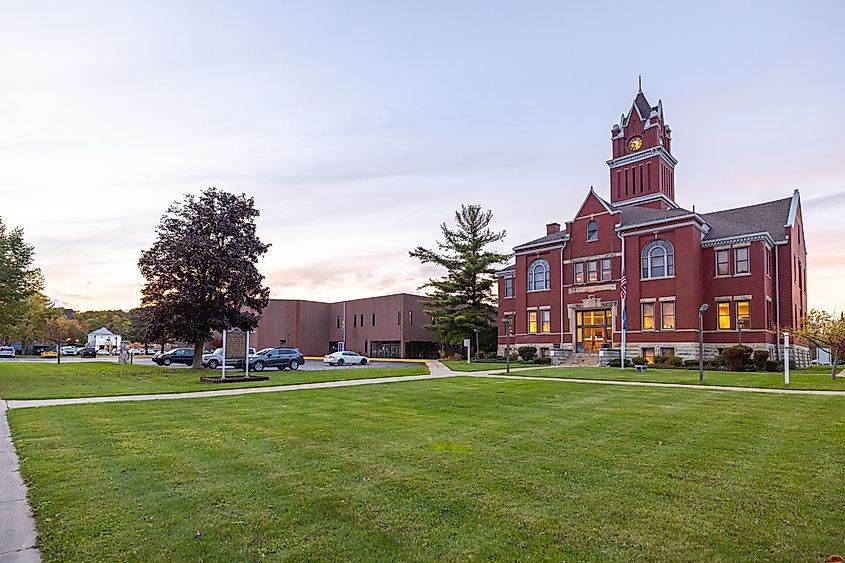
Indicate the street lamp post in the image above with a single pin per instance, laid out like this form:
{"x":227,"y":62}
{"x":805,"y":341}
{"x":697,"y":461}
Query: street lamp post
{"x":508,"y":343}
{"x":739,"y":324}
{"x":477,"y":349}
{"x":701,"y":311}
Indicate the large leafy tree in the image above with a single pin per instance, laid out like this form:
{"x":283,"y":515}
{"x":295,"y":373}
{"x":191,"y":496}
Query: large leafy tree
{"x":29,"y":324}
{"x":60,"y":330}
{"x":201,"y":273}
{"x":462,"y":300}
{"x":825,"y":331}
{"x":19,"y":279}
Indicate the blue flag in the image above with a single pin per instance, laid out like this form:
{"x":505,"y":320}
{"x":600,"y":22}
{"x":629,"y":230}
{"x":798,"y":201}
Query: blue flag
{"x":624,"y":320}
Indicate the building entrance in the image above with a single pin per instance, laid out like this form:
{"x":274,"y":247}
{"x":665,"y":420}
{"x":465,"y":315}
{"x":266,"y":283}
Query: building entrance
{"x":592,"y":329}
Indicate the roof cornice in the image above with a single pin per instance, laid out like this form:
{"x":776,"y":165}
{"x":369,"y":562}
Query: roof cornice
{"x":645,"y":199}
{"x":667,"y":220}
{"x":762,"y":235}
{"x":642,"y":155}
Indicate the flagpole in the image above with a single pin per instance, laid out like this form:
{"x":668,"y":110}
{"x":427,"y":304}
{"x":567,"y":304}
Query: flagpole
{"x":623,"y":294}
{"x":624,"y":329}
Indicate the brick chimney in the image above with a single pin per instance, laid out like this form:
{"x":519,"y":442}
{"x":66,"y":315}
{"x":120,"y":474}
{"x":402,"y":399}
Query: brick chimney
{"x":552,"y":228}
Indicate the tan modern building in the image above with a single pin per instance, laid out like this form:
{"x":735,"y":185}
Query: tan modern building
{"x":388,"y":326}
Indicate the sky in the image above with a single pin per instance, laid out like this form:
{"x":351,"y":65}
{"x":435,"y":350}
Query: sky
{"x":359,"y":127}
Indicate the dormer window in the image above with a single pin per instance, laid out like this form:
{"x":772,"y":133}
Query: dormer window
{"x":592,"y":231}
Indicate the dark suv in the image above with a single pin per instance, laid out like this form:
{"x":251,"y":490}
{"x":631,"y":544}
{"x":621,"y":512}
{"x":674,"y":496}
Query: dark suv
{"x":175,"y":356}
{"x":86,"y":352}
{"x":279,"y":358}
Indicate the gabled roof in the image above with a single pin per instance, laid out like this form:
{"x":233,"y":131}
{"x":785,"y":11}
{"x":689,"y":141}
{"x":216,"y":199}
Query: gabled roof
{"x":507,"y":270}
{"x":642,"y":105}
{"x":548,"y":239}
{"x":102,"y":331}
{"x":769,"y":217}
{"x":632,"y":215}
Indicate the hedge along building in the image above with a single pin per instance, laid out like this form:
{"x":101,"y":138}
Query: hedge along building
{"x":748,"y":264}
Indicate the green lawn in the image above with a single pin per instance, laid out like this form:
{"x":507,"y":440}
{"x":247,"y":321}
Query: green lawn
{"x":812,"y":378}
{"x":23,"y":380}
{"x":452,"y":469}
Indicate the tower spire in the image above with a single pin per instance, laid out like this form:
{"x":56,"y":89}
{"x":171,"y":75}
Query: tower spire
{"x":640,"y":83}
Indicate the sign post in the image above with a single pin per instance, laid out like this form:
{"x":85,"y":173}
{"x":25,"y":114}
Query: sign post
{"x":246,"y":363}
{"x":223,"y":373}
{"x":786,"y":358}
{"x":467,"y":346}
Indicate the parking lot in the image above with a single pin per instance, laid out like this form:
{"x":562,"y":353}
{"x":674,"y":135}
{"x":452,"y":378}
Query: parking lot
{"x":146,"y":361}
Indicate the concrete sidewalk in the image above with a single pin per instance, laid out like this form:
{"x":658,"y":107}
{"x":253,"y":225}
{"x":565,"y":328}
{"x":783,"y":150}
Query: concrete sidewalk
{"x":488,"y":375}
{"x":17,"y":526}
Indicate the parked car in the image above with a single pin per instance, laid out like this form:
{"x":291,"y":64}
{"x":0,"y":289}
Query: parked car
{"x":175,"y":356}
{"x":7,"y":352}
{"x":215,"y":359}
{"x":342,"y":358}
{"x":86,"y":352}
{"x":135,"y":351}
{"x":49,"y":354}
{"x":68,"y":350}
{"x":279,"y":358}
{"x":103,"y":352}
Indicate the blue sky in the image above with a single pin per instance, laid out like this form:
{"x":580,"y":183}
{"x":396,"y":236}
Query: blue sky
{"x":360,"y":126}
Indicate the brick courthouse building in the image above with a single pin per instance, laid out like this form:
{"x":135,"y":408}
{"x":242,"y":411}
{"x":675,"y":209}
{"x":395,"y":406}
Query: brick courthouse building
{"x":748,"y":264}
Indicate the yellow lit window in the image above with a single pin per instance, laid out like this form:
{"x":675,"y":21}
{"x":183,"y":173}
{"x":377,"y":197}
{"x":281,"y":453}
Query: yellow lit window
{"x":668,"y":315}
{"x":743,"y":313}
{"x":648,"y":316}
{"x":532,"y":321}
{"x":724,"y":315}
{"x":545,"y":320}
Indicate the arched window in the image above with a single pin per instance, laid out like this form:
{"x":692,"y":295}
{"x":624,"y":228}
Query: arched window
{"x":658,"y":259}
{"x":538,"y":275}
{"x":592,"y":231}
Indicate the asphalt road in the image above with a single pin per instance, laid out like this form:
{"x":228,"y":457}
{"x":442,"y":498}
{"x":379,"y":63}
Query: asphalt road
{"x":310,"y":365}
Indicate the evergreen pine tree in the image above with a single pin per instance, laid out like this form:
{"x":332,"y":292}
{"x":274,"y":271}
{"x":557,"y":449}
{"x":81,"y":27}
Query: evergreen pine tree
{"x":462,"y":300}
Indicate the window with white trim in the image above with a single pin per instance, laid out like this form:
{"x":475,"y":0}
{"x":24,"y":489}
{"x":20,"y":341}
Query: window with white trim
{"x":606,"y":274}
{"x":592,"y":271}
{"x":667,"y":315}
{"x":723,"y":262}
{"x":658,"y":260}
{"x":532,"y":322}
{"x":648,"y":316}
{"x":743,"y":313}
{"x":592,"y":231}
{"x":579,"y":272}
{"x":508,"y":287}
{"x":538,"y":275}
{"x":545,"y":320}
{"x":741,"y":262}
{"x":724,"y":310}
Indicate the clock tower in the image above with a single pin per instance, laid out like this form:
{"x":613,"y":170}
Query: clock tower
{"x":642,"y":170}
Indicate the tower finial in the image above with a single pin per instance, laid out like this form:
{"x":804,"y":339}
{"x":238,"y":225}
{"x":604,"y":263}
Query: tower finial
{"x":640,"y":81}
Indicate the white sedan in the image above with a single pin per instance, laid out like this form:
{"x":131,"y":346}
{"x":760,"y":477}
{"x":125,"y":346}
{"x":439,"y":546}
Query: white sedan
{"x":343,"y":358}
{"x":7,"y":352}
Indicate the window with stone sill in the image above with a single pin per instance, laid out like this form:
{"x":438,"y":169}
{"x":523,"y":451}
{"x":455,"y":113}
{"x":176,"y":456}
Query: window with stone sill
{"x":539,"y":275}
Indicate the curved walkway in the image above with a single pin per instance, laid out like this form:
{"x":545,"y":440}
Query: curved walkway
{"x":702,"y":387}
{"x":17,"y":526}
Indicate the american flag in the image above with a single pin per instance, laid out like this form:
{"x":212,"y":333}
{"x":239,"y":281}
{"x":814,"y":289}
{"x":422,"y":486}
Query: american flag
{"x":623,"y":286}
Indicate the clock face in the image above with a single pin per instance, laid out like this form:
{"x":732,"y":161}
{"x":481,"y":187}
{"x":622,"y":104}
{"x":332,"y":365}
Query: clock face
{"x":635,"y":143}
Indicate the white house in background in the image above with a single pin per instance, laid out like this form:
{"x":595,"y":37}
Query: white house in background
{"x":103,"y":339}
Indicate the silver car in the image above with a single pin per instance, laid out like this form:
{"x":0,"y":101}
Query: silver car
{"x":215,"y":359}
